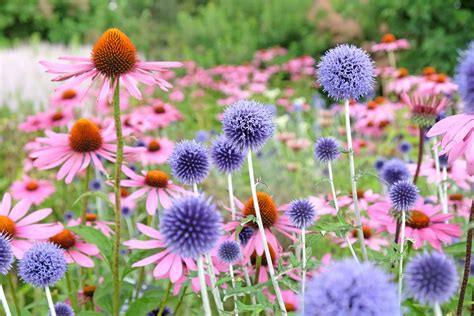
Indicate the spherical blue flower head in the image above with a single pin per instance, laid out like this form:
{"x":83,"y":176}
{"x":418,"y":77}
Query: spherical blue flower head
{"x":404,"y":147}
{"x":326,"y":149}
{"x":229,"y":252}
{"x":301,"y":213}
{"x":247,"y":124}
{"x":6,"y":255}
{"x":346,"y":72}
{"x":191,"y":226}
{"x":379,"y":163}
{"x":403,"y":195}
{"x":42,"y":265}
{"x":349,"y":289}
{"x":189,"y":162}
{"x":443,"y":161}
{"x":394,"y":170}
{"x":201,"y":136}
{"x":431,"y":278}
{"x":465,"y":78}
{"x":225,"y":156}
{"x":126,"y":211}
{"x":63,"y":309}
{"x":245,"y":234}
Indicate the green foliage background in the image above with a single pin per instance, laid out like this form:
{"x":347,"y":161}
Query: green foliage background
{"x":230,"y":31}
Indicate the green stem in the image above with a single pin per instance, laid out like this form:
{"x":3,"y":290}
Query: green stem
{"x":258,"y":264}
{"x":71,"y":295}
{"x":165,"y":299}
{"x":181,"y":299}
{"x":13,"y":293}
{"x":86,"y":197}
{"x":141,"y":276}
{"x":118,"y":219}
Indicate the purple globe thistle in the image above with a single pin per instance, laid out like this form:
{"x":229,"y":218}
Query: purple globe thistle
{"x":465,"y":78}
{"x":379,"y":163}
{"x":349,"y":288}
{"x":6,"y":255}
{"x":248,"y":124}
{"x":166,"y":312}
{"x":191,"y":226}
{"x":431,"y":278}
{"x":189,"y":162}
{"x":225,"y":156}
{"x":404,"y":147}
{"x":326,"y":149}
{"x":95,"y":185}
{"x":42,"y":265}
{"x":443,"y":161}
{"x":346,"y":72}
{"x":201,"y":136}
{"x":229,"y":252}
{"x":394,"y":170}
{"x":63,"y":309}
{"x":245,"y":234}
{"x":403,"y":195}
{"x":301,"y":213}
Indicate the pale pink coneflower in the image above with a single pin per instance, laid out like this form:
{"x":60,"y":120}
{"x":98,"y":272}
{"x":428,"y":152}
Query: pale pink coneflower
{"x":35,"y":191}
{"x":390,"y":43}
{"x":157,"y":151}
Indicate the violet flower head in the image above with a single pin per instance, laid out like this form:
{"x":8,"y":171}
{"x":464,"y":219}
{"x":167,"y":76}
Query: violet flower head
{"x":465,"y":78}
{"x":225,"y":156}
{"x":190,"y":162}
{"x":229,"y":252}
{"x":63,"y":309}
{"x":191,"y":226}
{"x":403,"y":195}
{"x":6,"y":255}
{"x":431,"y":278}
{"x":326,"y":149}
{"x":301,"y":213}
{"x":346,"y":72}
{"x":248,"y":124}
{"x":394,"y":170}
{"x":349,"y":288}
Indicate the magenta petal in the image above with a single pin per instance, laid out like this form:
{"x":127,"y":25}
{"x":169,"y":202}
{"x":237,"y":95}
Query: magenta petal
{"x":88,"y":249}
{"x":164,"y":266}
{"x":149,"y":260}
{"x":35,"y":217}
{"x":150,"y":232}
{"x":176,"y":269}
{"x":81,"y":259}
{"x":6,"y":204}
{"x":19,"y":210}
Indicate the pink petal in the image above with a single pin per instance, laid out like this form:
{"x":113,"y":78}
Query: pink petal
{"x":34,"y":217}
{"x":148,"y":231}
{"x":164,"y":266}
{"x":19,"y":210}
{"x":88,"y":249}
{"x":149,"y":260}
{"x":152,"y":202}
{"x":176,"y":269}
{"x":6,"y":204}
{"x":81,"y":259}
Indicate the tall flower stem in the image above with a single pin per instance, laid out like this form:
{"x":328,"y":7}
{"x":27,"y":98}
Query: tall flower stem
{"x":400,"y":268}
{"x":3,"y":298}
{"x":180,"y":301}
{"x":421,"y":143}
{"x":52,"y":311}
{"x":249,"y":283}
{"x":258,"y":216}
{"x":437,"y":310}
{"x":467,"y":262}
{"x":391,"y":59}
{"x":215,"y":289}
{"x":202,"y":283}
{"x":13,"y":293}
{"x":360,"y":233}
{"x":230,"y":188}
{"x":442,"y":193}
{"x":303,"y":268}
{"x":165,"y":299}
{"x":118,"y":208}
{"x":71,"y":295}
{"x":336,"y":206}
{"x":232,"y":277}
{"x":86,"y":198}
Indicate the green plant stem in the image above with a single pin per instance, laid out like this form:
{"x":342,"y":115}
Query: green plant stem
{"x":13,"y":293}
{"x":86,"y":197}
{"x":118,"y":219}
{"x":180,"y":302}
{"x":258,"y":264}
{"x":141,"y":276}
{"x":71,"y":295}
{"x":165,"y":299}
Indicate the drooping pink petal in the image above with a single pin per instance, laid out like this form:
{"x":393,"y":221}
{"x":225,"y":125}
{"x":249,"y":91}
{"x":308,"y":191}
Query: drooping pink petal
{"x":81,"y":259}
{"x":164,"y":266}
{"x":34,"y":217}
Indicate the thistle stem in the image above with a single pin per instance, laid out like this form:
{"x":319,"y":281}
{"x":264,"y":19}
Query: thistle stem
{"x":249,"y":283}
{"x":303,"y":268}
{"x":202,"y":283}
{"x":437,"y":310}
{"x":400,"y":268}
{"x":86,"y":197}
{"x":3,"y":298}
{"x":232,"y":277}
{"x":13,"y":293}
{"x":118,"y":209}
{"x":441,"y":191}
{"x":467,"y":263}
{"x":268,"y":256}
{"x":230,"y":188}
{"x":215,"y":290}
{"x":360,"y":233}
{"x":50,"y":301}
{"x":165,"y":299}
{"x":336,"y":206}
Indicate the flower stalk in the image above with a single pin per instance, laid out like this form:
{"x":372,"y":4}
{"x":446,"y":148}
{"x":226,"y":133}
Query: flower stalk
{"x":467,"y":263}
{"x":52,"y":310}
{"x":3,"y":298}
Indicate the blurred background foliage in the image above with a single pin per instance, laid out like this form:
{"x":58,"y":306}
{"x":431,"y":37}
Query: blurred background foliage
{"x":230,"y":31}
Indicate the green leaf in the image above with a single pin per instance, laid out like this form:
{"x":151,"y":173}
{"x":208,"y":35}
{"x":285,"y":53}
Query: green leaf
{"x":96,"y":237}
{"x":149,"y":301}
{"x":251,"y":308}
{"x":89,"y":313}
{"x":135,"y":257}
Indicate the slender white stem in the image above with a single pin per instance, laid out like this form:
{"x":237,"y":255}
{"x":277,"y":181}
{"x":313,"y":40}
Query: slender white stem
{"x":336,"y":206}
{"x":441,"y":192}
{"x":249,"y":283}
{"x":360,"y":233}
{"x":400,"y":269}
{"x":230,"y":188}
{"x":215,"y":289}
{"x":232,"y":277}
{"x":437,"y":310}
{"x":303,"y":268}
{"x":202,"y":284}
{"x":261,"y":229}
{"x":3,"y":298}
{"x":50,"y":301}
{"x":195,"y":189}
{"x":445,"y":186}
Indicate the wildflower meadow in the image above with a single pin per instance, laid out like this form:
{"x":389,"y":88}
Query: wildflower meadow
{"x":330,"y":183}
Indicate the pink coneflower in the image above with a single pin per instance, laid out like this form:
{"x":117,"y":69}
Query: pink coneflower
{"x":161,"y":114}
{"x":424,"y":107}
{"x":168,"y":265}
{"x":113,"y":58}
{"x":35,"y":191}
{"x":68,"y":98}
{"x":298,"y":144}
{"x":47,"y":120}
{"x":75,"y":151}
{"x":424,"y":223}
{"x":390,"y":43}
{"x":402,"y":81}
{"x":156,"y":184}
{"x":271,"y":218}
{"x":457,"y":138}
{"x":92,"y":220}
{"x":437,"y":84}
{"x":157,"y":151}
{"x":23,"y":229}
{"x":364,"y":198}
{"x":75,"y":249}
